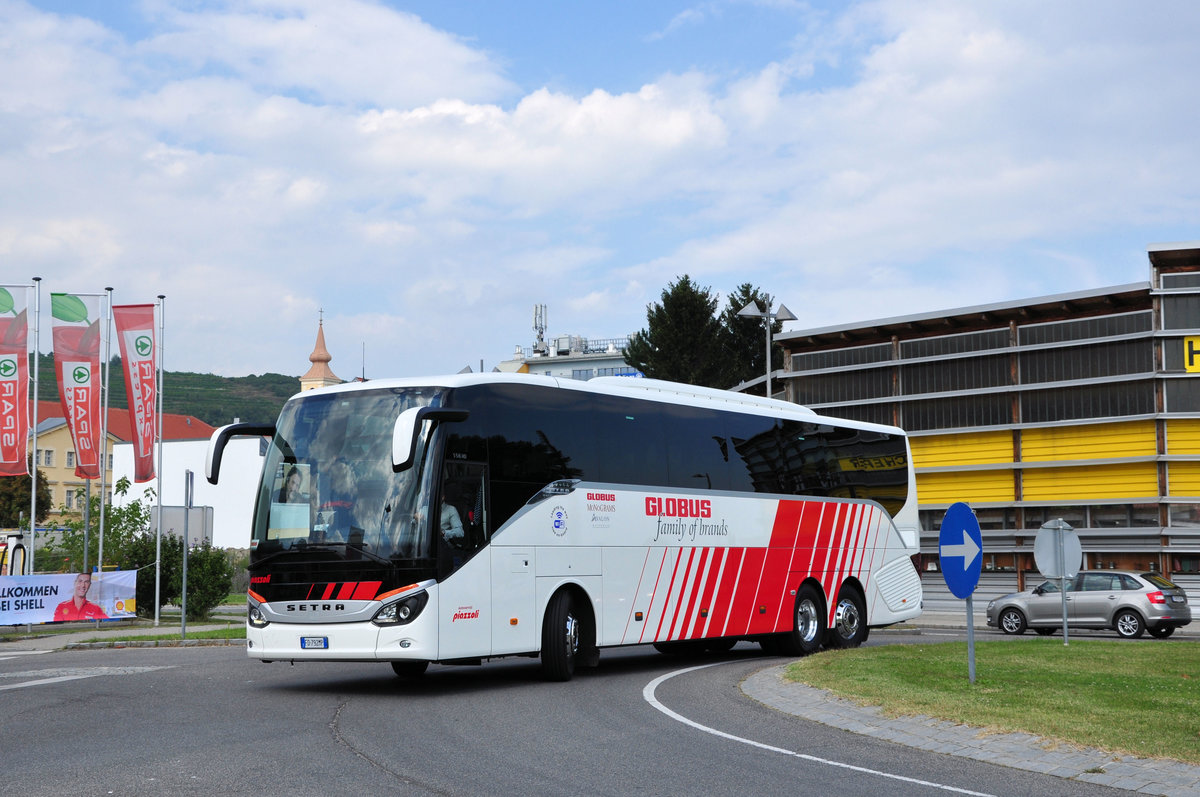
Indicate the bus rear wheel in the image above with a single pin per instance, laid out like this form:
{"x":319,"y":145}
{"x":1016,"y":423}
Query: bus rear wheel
{"x":849,"y":628}
{"x":560,"y":638}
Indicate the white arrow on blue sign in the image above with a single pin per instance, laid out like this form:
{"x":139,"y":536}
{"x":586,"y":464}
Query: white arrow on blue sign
{"x":960,"y":544}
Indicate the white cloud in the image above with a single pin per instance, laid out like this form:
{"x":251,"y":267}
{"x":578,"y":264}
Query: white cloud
{"x":259,"y":160}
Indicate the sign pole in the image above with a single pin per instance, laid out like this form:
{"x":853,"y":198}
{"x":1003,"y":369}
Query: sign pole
{"x":971,"y":637}
{"x":1062,"y":582}
{"x":960,"y":552}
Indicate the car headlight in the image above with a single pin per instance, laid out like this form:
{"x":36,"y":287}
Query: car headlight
{"x":255,"y":617}
{"x":403,"y":611}
{"x":990,"y":605}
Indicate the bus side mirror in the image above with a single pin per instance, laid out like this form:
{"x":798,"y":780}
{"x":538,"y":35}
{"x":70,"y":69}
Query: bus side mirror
{"x":404,"y":433}
{"x":221,"y":437}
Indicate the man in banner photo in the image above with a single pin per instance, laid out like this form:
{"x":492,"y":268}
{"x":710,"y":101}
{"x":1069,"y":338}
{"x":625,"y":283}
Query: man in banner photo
{"x":14,"y":382}
{"x":135,"y":331}
{"x":77,"y":362}
{"x":79,"y":607}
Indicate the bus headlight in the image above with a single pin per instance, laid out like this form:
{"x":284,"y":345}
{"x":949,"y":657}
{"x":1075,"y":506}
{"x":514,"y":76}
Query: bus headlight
{"x":255,"y":617}
{"x":403,"y":611}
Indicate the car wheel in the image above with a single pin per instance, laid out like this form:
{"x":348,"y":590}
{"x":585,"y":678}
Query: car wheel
{"x":1161,"y":631}
{"x":1012,"y":621}
{"x":1129,"y":624}
{"x":1045,"y":631}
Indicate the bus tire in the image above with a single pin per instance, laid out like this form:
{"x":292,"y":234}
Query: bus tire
{"x":808,"y":626}
{"x":560,"y":638}
{"x":849,"y":628}
{"x":681,"y":647}
{"x":410,"y":669}
{"x":720,"y":645}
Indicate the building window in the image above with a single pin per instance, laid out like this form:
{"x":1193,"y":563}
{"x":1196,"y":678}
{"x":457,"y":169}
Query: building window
{"x":70,"y":459}
{"x":48,"y":457}
{"x":1181,"y":312}
{"x":582,"y":374}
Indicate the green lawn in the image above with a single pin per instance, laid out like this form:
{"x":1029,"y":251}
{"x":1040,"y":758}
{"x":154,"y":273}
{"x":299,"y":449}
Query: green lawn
{"x":1135,"y":697}
{"x":232,"y":632}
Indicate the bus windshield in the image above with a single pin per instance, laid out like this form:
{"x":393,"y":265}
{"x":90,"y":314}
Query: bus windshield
{"x":328,"y":481}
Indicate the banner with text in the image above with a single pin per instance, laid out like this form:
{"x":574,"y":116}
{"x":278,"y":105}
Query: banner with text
{"x":77,"y":364}
{"x":135,"y":331}
{"x":67,"y":597}
{"x":14,"y":381}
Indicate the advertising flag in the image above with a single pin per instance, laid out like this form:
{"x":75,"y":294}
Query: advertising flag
{"x":135,"y":331}
{"x":77,"y":363}
{"x":14,"y":382}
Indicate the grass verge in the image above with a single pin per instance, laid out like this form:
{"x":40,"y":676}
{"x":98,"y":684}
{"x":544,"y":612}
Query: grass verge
{"x":1139,"y":698}
{"x":232,"y":632}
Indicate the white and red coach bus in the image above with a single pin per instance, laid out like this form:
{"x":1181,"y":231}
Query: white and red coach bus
{"x":474,"y":516}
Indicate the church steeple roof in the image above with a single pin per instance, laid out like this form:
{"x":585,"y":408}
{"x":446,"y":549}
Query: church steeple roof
{"x":319,"y":375}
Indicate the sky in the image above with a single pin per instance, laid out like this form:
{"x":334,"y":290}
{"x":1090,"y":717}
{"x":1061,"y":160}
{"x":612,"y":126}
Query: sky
{"x":421,"y":174}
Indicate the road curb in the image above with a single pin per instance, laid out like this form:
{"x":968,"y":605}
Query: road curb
{"x":157,"y":643}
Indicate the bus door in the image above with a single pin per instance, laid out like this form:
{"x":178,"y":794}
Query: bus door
{"x":465,"y":593}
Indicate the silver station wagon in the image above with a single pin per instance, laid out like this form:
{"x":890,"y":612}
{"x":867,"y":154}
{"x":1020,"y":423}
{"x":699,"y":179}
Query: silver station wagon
{"x":1129,"y":603}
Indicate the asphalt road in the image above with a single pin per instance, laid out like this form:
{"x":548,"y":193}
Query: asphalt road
{"x":210,"y":721}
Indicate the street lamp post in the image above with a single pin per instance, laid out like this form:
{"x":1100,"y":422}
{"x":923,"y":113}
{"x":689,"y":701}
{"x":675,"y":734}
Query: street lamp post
{"x":752,"y":310}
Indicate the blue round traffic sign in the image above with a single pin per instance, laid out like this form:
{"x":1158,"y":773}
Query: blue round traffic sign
{"x":960,"y":547}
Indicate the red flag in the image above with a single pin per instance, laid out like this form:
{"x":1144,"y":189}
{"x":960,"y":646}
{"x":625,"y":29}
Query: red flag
{"x":135,"y":331}
{"x":77,"y":362}
{"x":14,"y":388}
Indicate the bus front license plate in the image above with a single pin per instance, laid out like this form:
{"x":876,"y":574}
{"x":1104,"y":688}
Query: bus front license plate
{"x":314,"y":643}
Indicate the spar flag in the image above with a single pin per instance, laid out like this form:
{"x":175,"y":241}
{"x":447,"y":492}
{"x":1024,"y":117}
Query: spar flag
{"x":77,"y":363}
{"x":135,"y":331}
{"x":14,"y":382}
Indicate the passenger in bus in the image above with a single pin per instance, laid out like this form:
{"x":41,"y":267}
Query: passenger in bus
{"x":451,"y":523}
{"x":335,"y":510}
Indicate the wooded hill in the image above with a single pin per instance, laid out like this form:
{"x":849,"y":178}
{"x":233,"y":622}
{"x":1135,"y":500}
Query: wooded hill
{"x":216,"y":400}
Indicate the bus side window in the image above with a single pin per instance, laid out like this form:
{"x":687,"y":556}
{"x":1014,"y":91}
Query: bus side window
{"x":464,"y":495}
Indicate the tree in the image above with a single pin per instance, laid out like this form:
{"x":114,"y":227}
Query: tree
{"x":210,"y":575}
{"x":745,"y":338}
{"x":14,"y":499}
{"x":683,"y":339}
{"x":121,"y":525}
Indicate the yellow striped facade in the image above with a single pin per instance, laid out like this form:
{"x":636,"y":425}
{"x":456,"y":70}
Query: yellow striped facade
{"x":1093,"y":441}
{"x":1065,"y":444}
{"x":974,"y":448}
{"x":1183,"y":436}
{"x":981,"y":486}
{"x":1096,"y":482}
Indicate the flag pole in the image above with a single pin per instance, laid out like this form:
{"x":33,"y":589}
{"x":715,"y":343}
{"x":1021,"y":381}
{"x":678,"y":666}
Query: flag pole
{"x":37,"y":320}
{"x":104,"y":369}
{"x":162,"y":311}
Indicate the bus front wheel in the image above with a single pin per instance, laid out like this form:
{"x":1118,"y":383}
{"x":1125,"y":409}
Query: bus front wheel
{"x":410,"y":669}
{"x":560,"y":638}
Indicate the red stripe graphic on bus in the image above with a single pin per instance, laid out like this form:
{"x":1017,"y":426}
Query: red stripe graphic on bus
{"x":653,"y":593}
{"x":716,"y":568}
{"x":724,"y":601}
{"x":747,"y":589}
{"x":686,"y":614}
{"x":638,"y":592}
{"x":670,"y":595}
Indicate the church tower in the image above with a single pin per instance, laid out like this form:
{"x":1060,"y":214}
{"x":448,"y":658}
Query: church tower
{"x":319,"y":374}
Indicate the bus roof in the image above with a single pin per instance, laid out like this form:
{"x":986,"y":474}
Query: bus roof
{"x":630,"y":387}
